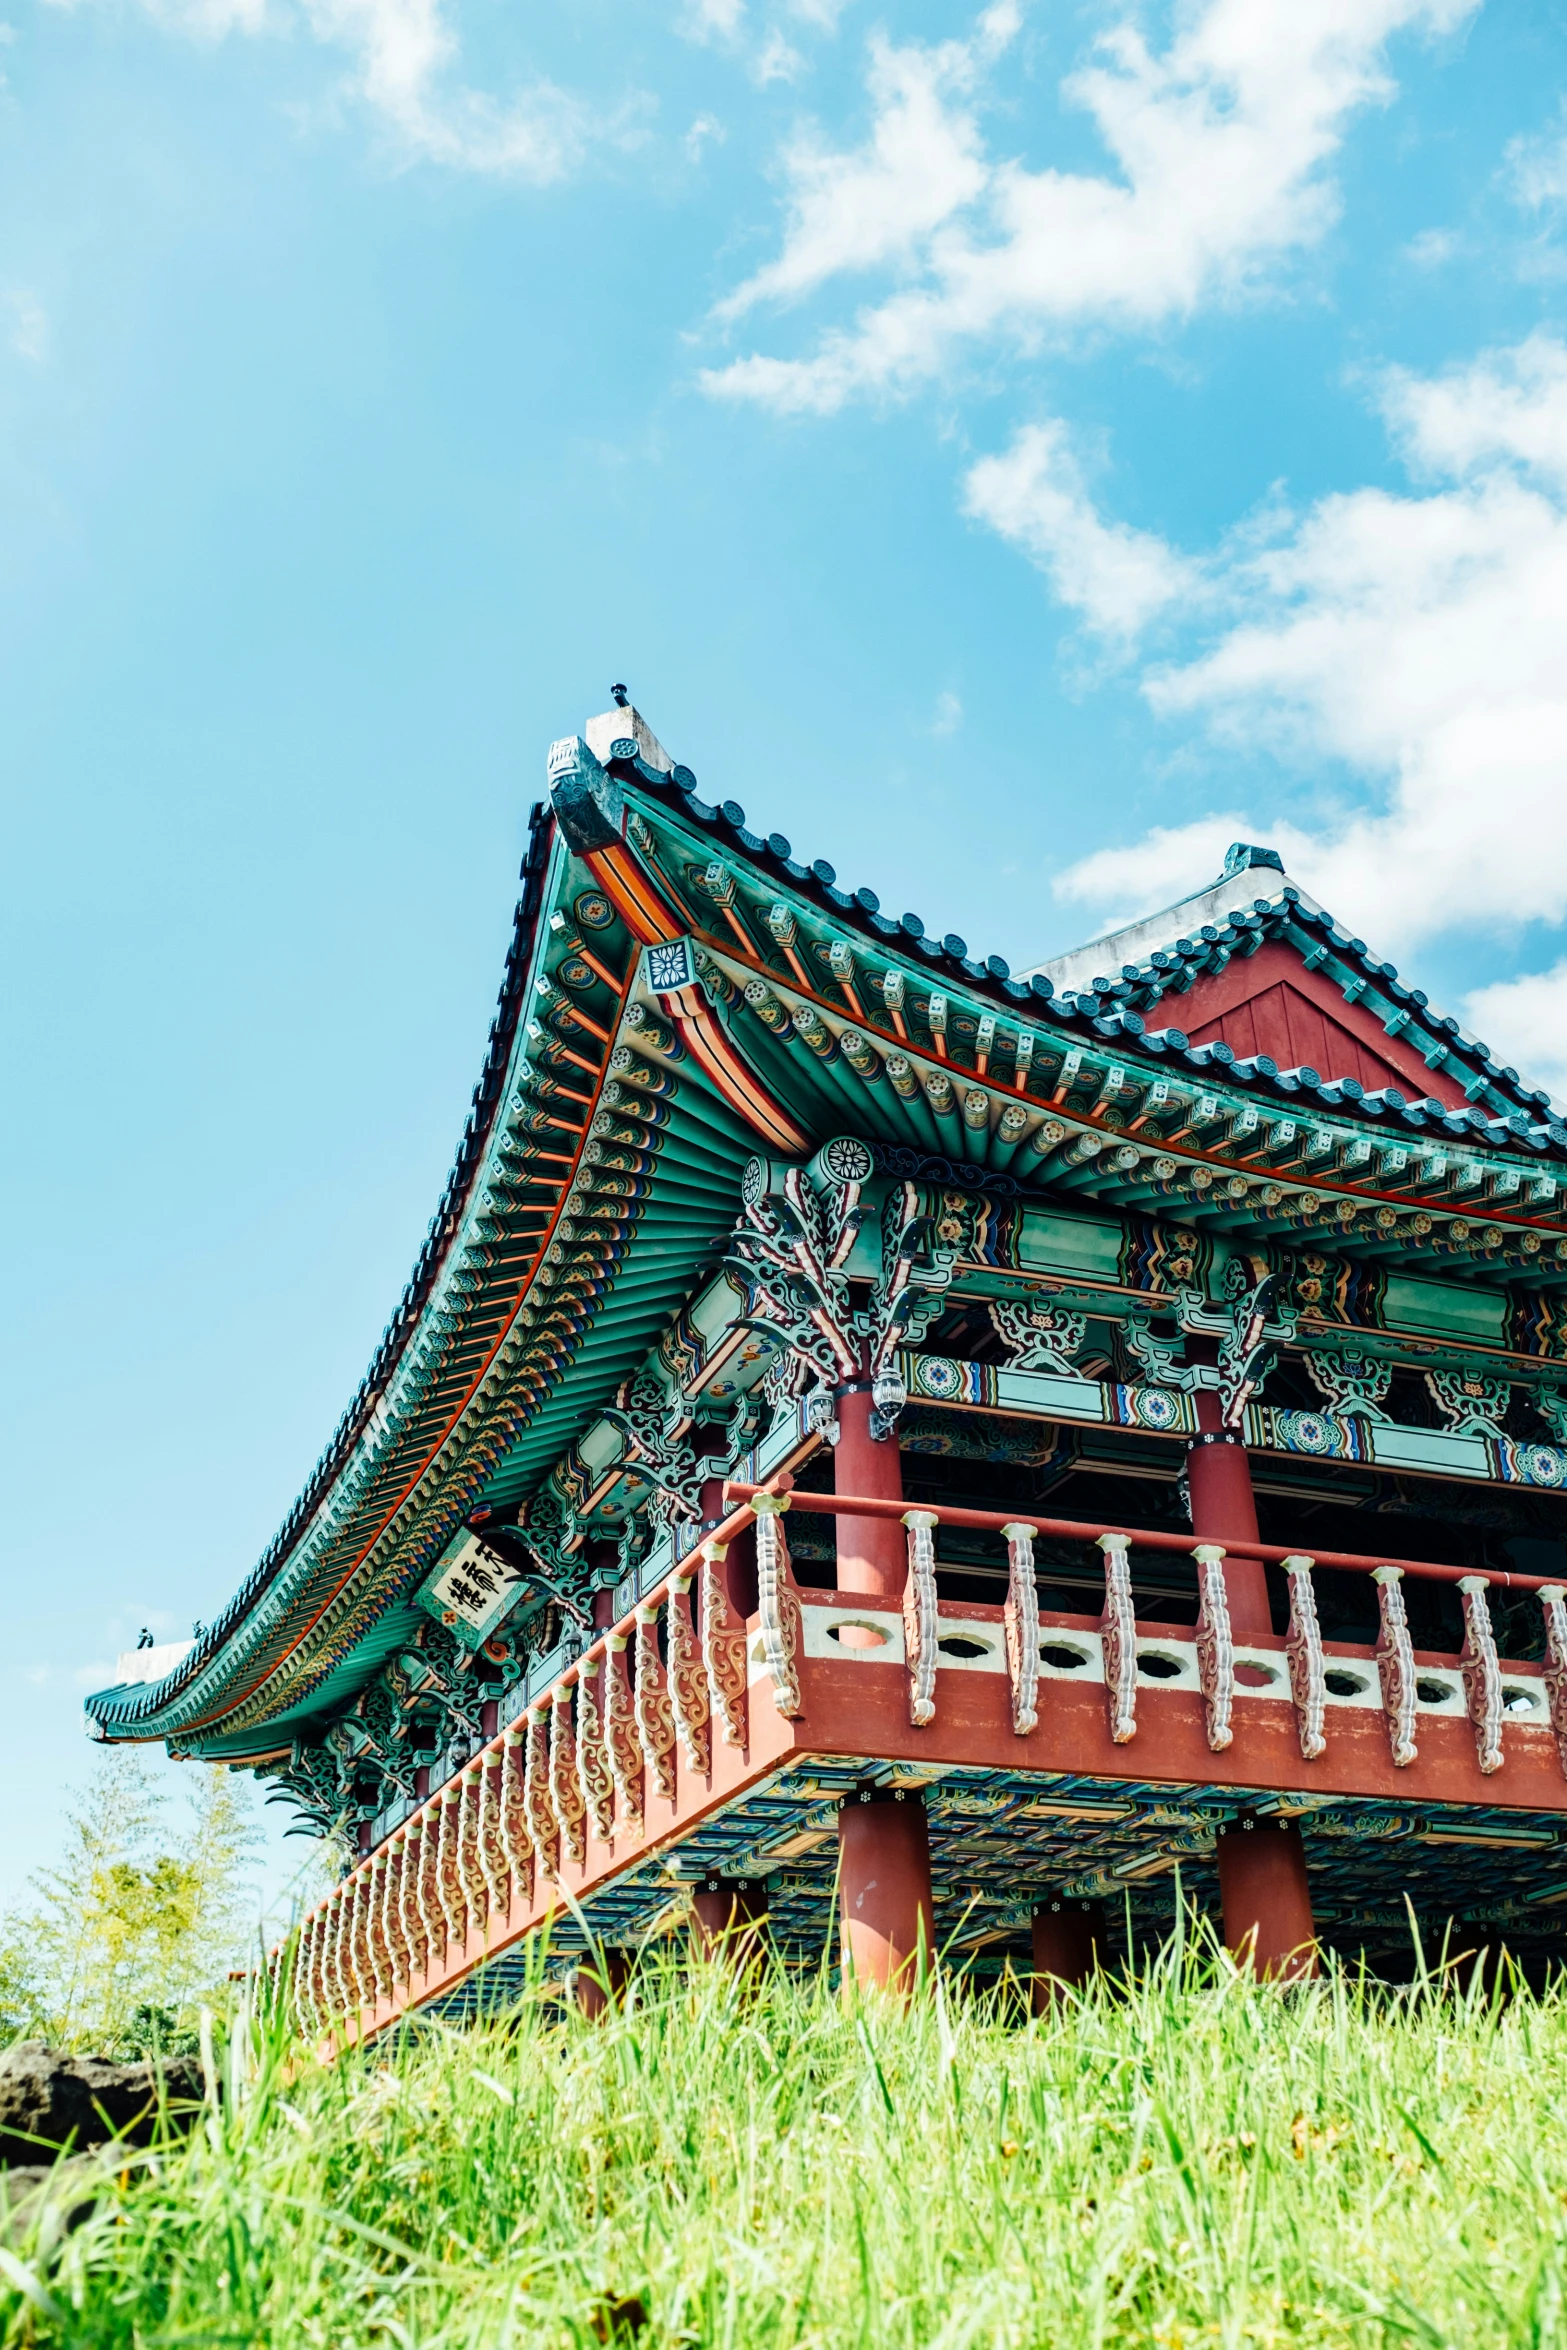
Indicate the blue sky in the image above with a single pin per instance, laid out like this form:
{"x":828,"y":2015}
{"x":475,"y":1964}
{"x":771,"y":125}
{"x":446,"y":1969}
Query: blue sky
{"x":1010,"y":451}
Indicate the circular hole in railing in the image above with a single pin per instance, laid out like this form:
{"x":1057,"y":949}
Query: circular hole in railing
{"x":854,"y":1632}
{"x":1341,"y":1684}
{"x":961,"y":1644}
{"x":1519,"y":1701}
{"x":1157,"y":1665}
{"x":1064,"y":1660}
{"x":1434,"y":1692}
{"x":1250,"y":1675}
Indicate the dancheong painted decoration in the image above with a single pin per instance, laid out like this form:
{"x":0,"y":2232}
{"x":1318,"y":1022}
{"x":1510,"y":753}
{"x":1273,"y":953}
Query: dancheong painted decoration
{"x":923,"y":1455}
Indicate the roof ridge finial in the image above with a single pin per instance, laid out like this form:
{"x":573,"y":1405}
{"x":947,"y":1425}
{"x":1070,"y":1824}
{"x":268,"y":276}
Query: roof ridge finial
{"x":1242,"y":855}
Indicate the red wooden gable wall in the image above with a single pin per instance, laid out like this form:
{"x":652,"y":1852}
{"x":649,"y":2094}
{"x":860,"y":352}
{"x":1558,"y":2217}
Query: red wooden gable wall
{"x":1270,"y":1003}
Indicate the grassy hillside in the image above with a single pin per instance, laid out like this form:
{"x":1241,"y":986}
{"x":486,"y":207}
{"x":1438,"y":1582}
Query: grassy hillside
{"x":1186,"y":2159}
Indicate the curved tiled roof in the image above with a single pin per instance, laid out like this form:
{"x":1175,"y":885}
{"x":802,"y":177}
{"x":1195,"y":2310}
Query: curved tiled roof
{"x":1117,"y":1007}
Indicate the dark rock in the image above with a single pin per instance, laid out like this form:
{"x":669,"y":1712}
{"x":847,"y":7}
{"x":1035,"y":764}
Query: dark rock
{"x":41,"y":2202}
{"x":49,"y":2099}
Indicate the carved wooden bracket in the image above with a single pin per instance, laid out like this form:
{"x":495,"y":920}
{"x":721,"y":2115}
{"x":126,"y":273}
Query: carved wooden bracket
{"x":778,"y":1603}
{"x":1396,"y":1665}
{"x":1022,"y":1627}
{"x":1303,"y":1648}
{"x":1118,"y":1632}
{"x":919,"y":1616}
{"x":687,"y":1676}
{"x":1215,"y":1645}
{"x":1482,"y":1673}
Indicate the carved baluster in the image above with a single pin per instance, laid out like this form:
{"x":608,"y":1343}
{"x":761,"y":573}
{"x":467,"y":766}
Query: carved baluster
{"x":1215,"y":1645}
{"x":542,"y":1829}
{"x":1396,"y":1665}
{"x":332,"y":2001}
{"x":396,"y":1923}
{"x":654,"y":1710}
{"x":386,"y":1913}
{"x":375,"y":1938}
{"x":339,"y":2000}
{"x":620,"y":1733}
{"x":332,"y":1998}
{"x":494,"y":1861}
{"x":1118,"y":1632}
{"x":299,"y":1956}
{"x":1303,"y":1649}
{"x":320,"y":1952}
{"x":322,"y":1979}
{"x":470,"y":1867}
{"x":326,"y":1969}
{"x":360,"y":1961}
{"x":1553,"y":1601}
{"x":372,"y":1962}
{"x":306,"y":1997}
{"x":1022,"y":1627}
{"x":919,"y":1616}
{"x":723,"y":1649}
{"x":778,"y":1604}
{"x":565,"y":1793}
{"x":516,"y":1844}
{"x":687,"y":1677}
{"x":359,"y":1972}
{"x":325,"y":1976}
{"x":408,"y":1912}
{"x":371,"y":1966}
{"x":448,"y":1880}
{"x":426,"y":1885}
{"x":317,"y":1983}
{"x":347,"y":1955}
{"x":598,"y":1789}
{"x":481,"y":1863}
{"x":1482,"y":1673}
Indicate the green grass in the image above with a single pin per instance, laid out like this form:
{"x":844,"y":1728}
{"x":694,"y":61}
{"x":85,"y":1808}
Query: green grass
{"x":1186,"y":2158}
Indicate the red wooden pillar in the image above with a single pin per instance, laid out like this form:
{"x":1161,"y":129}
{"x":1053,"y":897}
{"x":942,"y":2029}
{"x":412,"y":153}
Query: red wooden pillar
{"x":1224,"y":1508}
{"x":1069,"y":1946}
{"x":889,"y":1920}
{"x":729,"y":1914}
{"x":601,"y":1980}
{"x":602,"y":1557}
{"x":1267,"y":1901}
{"x":883,"y":1843}
{"x":1262,"y":1866}
{"x":873,"y":1555}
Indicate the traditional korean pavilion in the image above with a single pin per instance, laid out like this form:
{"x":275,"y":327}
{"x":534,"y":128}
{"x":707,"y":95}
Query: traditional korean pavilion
{"x":928,"y":1455}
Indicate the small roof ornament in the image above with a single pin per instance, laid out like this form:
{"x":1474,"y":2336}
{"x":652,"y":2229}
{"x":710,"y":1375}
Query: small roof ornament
{"x":1241,"y":856}
{"x":622,"y":699}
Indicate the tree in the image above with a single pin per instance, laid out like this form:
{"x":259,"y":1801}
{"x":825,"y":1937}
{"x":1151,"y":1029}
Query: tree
{"x":135,"y":1925}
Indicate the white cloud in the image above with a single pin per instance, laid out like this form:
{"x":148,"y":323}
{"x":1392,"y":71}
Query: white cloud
{"x":1524,"y":1021}
{"x":1118,"y":578}
{"x":404,"y":51}
{"x":1169,"y":863}
{"x":1416,"y":641}
{"x":777,"y":61}
{"x":706,"y":127}
{"x":948,"y":714}
{"x":850,"y":212}
{"x":713,"y":20}
{"x":29,"y":327}
{"x":1219,"y":147}
{"x":1510,"y":405}
{"x":403,"y":55}
{"x":1433,"y":248}
{"x":1537,"y":168}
